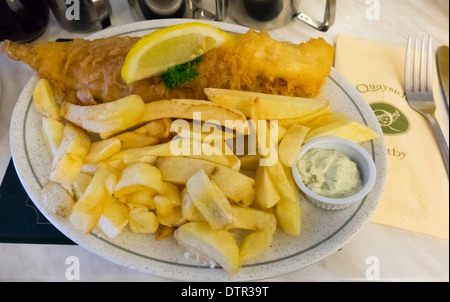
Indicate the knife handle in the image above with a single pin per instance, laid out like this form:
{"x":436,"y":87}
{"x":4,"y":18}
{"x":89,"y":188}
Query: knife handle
{"x":439,"y":138}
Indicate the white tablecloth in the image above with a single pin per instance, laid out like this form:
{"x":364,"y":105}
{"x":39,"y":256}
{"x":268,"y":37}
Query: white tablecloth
{"x":401,"y":255}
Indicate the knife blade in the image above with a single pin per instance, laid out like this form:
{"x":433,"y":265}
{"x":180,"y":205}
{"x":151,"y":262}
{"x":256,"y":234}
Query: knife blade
{"x":442,"y":62}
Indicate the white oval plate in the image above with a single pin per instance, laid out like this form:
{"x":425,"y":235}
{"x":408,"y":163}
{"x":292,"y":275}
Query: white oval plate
{"x":323,"y":232}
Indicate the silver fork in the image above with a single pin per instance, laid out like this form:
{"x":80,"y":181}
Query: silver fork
{"x":419,"y":90}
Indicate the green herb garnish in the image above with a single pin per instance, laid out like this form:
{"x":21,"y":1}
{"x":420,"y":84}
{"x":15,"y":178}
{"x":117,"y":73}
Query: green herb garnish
{"x":181,"y":74}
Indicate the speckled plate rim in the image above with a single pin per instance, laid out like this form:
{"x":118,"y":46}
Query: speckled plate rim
{"x":32,"y":173}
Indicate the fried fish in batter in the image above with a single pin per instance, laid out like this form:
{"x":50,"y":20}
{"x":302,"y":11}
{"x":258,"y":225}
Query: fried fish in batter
{"x":88,"y":72}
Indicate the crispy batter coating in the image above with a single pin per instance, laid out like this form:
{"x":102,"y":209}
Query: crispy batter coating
{"x":256,"y":62}
{"x":88,"y":72}
{"x":82,"y":71}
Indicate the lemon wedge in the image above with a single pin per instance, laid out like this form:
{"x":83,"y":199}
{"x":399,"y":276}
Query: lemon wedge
{"x":170,"y":46}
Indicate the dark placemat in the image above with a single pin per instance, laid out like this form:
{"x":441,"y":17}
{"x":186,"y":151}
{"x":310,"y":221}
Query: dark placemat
{"x":20,"y":220}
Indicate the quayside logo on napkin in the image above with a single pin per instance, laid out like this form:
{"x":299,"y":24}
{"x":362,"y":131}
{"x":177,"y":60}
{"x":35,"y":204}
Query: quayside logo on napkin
{"x":364,"y":88}
{"x":391,"y":119}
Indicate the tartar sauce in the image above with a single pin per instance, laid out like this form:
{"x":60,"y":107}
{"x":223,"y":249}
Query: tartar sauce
{"x":329,"y":173}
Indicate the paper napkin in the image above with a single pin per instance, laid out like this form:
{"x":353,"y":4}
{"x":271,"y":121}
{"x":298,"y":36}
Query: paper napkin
{"x":416,"y":194}
{"x":20,"y":220}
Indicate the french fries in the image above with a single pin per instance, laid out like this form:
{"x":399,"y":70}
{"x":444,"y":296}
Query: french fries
{"x":175,"y":108}
{"x":115,"y":216}
{"x":186,"y":109}
{"x":109,"y":117}
{"x":103,"y":149}
{"x":288,"y":210}
{"x":137,"y":177}
{"x":80,"y":184}
{"x":280,"y":178}
{"x":209,"y":200}
{"x":44,"y":99}
{"x":287,"y":123}
{"x":151,"y":133}
{"x":88,"y":209}
{"x":129,"y":166}
{"x":145,"y":197}
{"x":250,"y":161}
{"x":347,"y":129}
{"x":273,"y":107}
{"x":171,"y":172}
{"x":291,"y":144}
{"x":235,"y":185}
{"x":212,"y":245}
{"x":70,"y":155}
{"x":52,"y":133}
{"x":143,"y":221}
{"x":56,"y":199}
{"x":206,"y":132}
{"x":254,"y":244}
{"x":266,"y":195}
{"x":179,"y":147}
{"x":253,"y":219}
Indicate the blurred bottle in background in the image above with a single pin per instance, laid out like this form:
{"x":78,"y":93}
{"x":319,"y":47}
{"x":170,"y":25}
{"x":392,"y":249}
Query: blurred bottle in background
{"x":157,"y":9}
{"x":82,"y":16}
{"x":23,"y":20}
{"x":192,"y":9}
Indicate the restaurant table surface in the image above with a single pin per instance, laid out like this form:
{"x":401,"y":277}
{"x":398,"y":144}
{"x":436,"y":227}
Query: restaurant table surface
{"x":402,"y":255}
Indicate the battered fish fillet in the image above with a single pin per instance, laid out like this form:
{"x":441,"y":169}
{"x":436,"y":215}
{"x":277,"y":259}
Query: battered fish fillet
{"x":88,"y":72}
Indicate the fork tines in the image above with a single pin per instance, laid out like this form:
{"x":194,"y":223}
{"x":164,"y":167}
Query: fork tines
{"x":418,"y":89}
{"x":419,"y":79}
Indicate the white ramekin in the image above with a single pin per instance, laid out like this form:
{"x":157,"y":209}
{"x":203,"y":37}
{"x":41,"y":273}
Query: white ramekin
{"x":357,"y":153}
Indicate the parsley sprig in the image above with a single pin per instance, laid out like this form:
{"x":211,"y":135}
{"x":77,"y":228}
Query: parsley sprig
{"x":181,"y":74}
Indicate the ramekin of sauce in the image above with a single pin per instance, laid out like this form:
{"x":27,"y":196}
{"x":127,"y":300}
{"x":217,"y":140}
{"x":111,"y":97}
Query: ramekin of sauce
{"x":334,"y":173}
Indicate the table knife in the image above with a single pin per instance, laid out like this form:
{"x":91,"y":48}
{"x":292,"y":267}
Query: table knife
{"x":442,"y":62}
